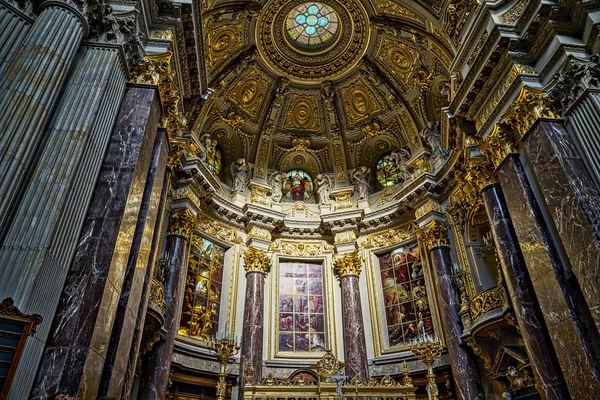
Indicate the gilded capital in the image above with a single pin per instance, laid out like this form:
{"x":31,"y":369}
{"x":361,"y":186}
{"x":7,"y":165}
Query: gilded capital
{"x":499,"y":144}
{"x":481,"y":174}
{"x":348,"y":264}
{"x":181,"y":223}
{"x":256,"y":260}
{"x":527,"y":108}
{"x":434,"y":234}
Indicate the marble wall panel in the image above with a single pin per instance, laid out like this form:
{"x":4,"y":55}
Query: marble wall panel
{"x":77,"y":347}
{"x":571,"y":199}
{"x":547,"y":274}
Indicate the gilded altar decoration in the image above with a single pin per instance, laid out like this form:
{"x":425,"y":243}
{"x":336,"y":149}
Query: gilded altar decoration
{"x":202,"y":293}
{"x":259,"y":233}
{"x":427,"y":349}
{"x":301,"y":248}
{"x":256,"y":260}
{"x":181,"y":222}
{"x":405,"y":298}
{"x":499,"y":144}
{"x":301,"y":309}
{"x":389,"y":237}
{"x":481,"y":174}
{"x":527,"y":108}
{"x":223,"y":348}
{"x":486,"y":301}
{"x":348,"y":264}
{"x":433,"y":235}
{"x":327,"y":366}
{"x":429,"y":206}
{"x":157,"y":293}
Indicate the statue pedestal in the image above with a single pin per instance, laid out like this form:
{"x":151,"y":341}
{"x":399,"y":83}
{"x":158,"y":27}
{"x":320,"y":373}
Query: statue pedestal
{"x":363,"y":205}
{"x":239,"y":199}
{"x":325,"y":208}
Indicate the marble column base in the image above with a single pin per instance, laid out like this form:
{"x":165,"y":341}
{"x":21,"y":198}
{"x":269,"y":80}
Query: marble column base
{"x":465,"y":372}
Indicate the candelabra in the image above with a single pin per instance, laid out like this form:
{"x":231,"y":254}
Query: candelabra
{"x":224,"y":348}
{"x":427,"y":348}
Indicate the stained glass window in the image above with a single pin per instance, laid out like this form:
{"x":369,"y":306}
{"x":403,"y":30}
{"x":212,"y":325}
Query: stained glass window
{"x":213,"y":161}
{"x":298,"y":186}
{"x":387,"y":171}
{"x":407,"y":309}
{"x":312,"y":24}
{"x":202,"y":295}
{"x":301,"y":307}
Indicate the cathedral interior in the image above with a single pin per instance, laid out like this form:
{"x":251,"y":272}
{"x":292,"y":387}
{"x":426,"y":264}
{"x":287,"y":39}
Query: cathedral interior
{"x":299,"y":200}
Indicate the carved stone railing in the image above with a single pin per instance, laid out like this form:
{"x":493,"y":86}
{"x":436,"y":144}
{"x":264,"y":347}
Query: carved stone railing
{"x":486,"y":301}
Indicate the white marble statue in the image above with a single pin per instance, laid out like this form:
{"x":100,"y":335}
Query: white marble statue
{"x":324,"y":189}
{"x":275,"y":181}
{"x":360,"y":179}
{"x":209,"y":145}
{"x":432,"y":136}
{"x":240,"y":172}
{"x":401,"y":157}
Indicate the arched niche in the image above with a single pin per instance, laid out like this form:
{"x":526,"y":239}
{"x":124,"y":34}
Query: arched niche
{"x":480,"y":250}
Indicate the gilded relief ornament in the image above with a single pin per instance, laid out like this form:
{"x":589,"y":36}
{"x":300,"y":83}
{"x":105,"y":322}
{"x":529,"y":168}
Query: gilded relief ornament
{"x":434,"y":234}
{"x":248,"y":93}
{"x":223,"y":42}
{"x":302,"y":113}
{"x":361,"y":103}
{"x":181,"y":223}
{"x":389,"y":237}
{"x":527,"y":108}
{"x":570,"y":84}
{"x":348,"y":264}
{"x":499,"y":144}
{"x":256,"y":260}
{"x":481,"y":174}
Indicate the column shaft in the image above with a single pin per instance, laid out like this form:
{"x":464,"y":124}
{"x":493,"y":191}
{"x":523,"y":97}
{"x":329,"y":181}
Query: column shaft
{"x":155,"y":373}
{"x":77,"y":347}
{"x":355,"y":348}
{"x":38,"y":246}
{"x":551,"y":383}
{"x":464,"y":368}
{"x":252,"y":334}
{"x":29,"y":89}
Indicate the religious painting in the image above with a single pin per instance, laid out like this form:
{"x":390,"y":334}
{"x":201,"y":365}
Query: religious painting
{"x":407,"y":309}
{"x":300,"y":308}
{"x":202,"y":294}
{"x":298,"y":186}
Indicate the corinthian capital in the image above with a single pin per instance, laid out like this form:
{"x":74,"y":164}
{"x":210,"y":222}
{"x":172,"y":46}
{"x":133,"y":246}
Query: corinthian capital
{"x":481,"y":174}
{"x":181,"y":223}
{"x":499,"y":144}
{"x":348,"y":264}
{"x":434,"y":234}
{"x":527,"y":108}
{"x":256,"y":261}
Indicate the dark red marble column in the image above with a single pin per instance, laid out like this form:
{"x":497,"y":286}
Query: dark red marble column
{"x":155,"y":372}
{"x":256,"y":264}
{"x":544,"y":362}
{"x":355,"y":348}
{"x":464,"y":367}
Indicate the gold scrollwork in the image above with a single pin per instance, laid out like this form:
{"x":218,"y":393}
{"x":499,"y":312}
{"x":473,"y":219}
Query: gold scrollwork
{"x":348,"y":264}
{"x":434,"y":234}
{"x":157,"y":293}
{"x":256,"y":260}
{"x":300,"y":249}
{"x":389,"y":237}
{"x":259,"y":233}
{"x":499,"y":144}
{"x":486,"y":301}
{"x":527,"y":108}
{"x":181,"y":223}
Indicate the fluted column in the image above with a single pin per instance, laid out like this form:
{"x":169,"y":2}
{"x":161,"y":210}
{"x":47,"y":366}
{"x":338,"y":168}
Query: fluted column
{"x":29,"y":89}
{"x":257,"y":265}
{"x":348,"y":267}
{"x":154,"y":380}
{"x":15,"y":23}
{"x":465,"y":372}
{"x":544,"y":363}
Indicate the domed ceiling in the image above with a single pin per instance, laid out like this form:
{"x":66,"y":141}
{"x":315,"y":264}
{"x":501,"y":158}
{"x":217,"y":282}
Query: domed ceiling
{"x":324,"y":86}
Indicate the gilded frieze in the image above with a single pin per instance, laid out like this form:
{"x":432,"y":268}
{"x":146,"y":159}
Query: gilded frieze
{"x":361,"y":102}
{"x":302,"y":113}
{"x":249,"y":92}
{"x":389,"y":237}
{"x":511,"y":16}
{"x":301,"y":248}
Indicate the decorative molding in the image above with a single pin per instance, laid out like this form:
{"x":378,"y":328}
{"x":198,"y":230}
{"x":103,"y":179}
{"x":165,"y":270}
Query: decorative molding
{"x":499,"y":144}
{"x":256,"y":261}
{"x":530,"y":105}
{"x":348,"y":264}
{"x":570,"y":84}
{"x":389,"y":237}
{"x":428,"y":207}
{"x":182,"y":223}
{"x":301,"y":248}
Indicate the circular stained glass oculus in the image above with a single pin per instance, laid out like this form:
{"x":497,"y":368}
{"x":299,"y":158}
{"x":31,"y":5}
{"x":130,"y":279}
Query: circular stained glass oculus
{"x":312,"y":24}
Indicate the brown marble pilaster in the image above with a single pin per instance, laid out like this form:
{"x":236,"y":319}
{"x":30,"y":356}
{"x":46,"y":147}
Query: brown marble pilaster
{"x":544,"y":363}
{"x":154,"y":379}
{"x":29,"y":89}
{"x":558,"y":293}
{"x":348,"y":269}
{"x":256,"y":264}
{"x":572,"y":200}
{"x":465,"y":372}
{"x":76,"y":348}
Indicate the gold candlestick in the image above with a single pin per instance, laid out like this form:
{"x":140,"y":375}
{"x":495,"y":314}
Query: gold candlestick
{"x":428,"y":350}
{"x":224,"y":349}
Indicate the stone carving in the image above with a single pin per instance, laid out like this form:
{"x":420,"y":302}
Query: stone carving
{"x":434,"y":234}
{"x":323,"y":189}
{"x":348,"y":264}
{"x":181,"y":223}
{"x":240,"y":172}
{"x":432,"y":136}
{"x":328,"y":96}
{"x":256,"y":261}
{"x":276,"y":181}
{"x":209,"y":145}
{"x":571,"y":83}
{"x":360,"y":179}
{"x":527,"y":108}
{"x":401,"y":157}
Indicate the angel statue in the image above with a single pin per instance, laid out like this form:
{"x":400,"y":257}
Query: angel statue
{"x":360,"y":179}
{"x":323,"y":189}
{"x":401,"y":157}
{"x":276,"y":182}
{"x":431,"y":134}
{"x":209,"y":147}
{"x":240,"y":172}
